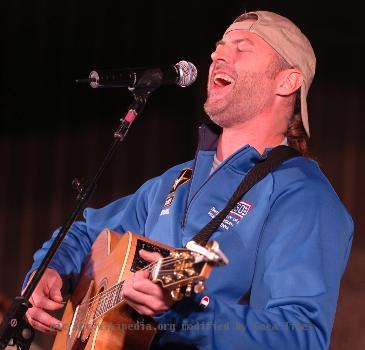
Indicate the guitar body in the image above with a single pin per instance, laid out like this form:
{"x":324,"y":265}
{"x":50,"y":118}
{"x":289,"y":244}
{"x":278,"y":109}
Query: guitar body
{"x":112,"y":259}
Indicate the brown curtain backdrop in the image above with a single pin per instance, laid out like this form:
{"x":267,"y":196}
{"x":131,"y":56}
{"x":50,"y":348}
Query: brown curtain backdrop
{"x":52,"y":131}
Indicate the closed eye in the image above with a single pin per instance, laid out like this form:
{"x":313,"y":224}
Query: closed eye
{"x":245,"y":45}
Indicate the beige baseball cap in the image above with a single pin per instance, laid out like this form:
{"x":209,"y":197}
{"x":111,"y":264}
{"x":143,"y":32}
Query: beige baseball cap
{"x":288,"y":41}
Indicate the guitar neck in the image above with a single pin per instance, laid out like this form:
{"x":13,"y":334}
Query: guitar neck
{"x":180,"y":269}
{"x":108,"y":299}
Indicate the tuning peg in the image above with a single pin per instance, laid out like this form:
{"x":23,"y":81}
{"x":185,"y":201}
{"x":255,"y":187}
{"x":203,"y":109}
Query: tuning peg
{"x":199,"y":287}
{"x":176,"y":294}
{"x":167,"y":279}
{"x":188,"y":289}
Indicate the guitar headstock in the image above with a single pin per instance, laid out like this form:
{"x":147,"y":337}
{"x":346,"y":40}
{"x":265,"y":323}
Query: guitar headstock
{"x":185,"y":269}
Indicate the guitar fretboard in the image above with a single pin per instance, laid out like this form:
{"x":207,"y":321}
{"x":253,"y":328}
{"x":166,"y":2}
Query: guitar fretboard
{"x":108,"y":299}
{"x":177,"y":270}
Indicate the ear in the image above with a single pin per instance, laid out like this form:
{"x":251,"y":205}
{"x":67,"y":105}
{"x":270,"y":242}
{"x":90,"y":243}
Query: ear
{"x":289,"y":81}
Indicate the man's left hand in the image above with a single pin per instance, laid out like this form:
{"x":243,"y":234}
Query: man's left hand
{"x":144,"y":296}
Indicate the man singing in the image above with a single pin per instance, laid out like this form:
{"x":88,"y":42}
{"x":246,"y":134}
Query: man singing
{"x":288,"y":246}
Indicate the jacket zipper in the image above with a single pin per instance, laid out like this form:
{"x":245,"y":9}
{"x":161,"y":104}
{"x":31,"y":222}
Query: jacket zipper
{"x":188,"y":205}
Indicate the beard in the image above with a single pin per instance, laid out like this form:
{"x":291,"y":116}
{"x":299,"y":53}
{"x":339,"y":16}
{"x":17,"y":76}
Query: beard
{"x":249,"y":97}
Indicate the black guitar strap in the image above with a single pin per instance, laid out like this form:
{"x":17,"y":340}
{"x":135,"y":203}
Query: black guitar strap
{"x":276,"y":156}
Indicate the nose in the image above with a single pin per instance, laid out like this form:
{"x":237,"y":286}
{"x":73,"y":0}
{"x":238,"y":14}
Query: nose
{"x":221,"y":53}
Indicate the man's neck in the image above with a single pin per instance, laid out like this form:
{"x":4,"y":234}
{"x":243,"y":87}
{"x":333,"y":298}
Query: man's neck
{"x":254,"y":133}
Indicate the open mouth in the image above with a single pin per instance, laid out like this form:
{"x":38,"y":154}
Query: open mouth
{"x":222,"y":80}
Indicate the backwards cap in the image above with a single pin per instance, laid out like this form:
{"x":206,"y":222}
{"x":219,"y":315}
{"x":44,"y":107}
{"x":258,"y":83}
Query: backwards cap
{"x":289,"y":42}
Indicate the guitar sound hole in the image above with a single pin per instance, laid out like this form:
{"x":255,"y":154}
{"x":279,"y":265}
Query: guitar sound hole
{"x":95,"y":309}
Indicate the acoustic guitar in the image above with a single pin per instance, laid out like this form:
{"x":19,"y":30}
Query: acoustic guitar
{"x":97,"y":317}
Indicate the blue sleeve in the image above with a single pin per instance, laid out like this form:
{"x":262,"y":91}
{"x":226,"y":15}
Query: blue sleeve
{"x":304,"y":248}
{"x":125,"y":214}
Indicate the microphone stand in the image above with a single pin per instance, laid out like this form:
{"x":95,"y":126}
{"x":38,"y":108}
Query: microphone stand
{"x":15,"y":330}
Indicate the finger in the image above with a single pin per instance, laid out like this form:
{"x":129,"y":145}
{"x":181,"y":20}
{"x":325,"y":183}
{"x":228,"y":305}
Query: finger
{"x":142,"y":309}
{"x":55,"y":294}
{"x":45,"y":303}
{"x":53,"y":328}
{"x":37,"y":314}
{"x":149,"y":256}
{"x":147,"y":306}
{"x":39,"y":326}
{"x":137,"y":299}
{"x":141,"y":274}
{"x":42,"y":317}
{"x":146,"y":286}
{"x":53,"y":285}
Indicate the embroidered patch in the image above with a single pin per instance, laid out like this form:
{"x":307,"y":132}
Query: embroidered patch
{"x":241,"y":209}
{"x":184,"y":176}
{"x":235,"y":215}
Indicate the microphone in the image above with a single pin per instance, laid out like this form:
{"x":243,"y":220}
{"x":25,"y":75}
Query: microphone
{"x":182,"y":73}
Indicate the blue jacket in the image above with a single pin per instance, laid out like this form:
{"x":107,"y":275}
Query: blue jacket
{"x":288,"y":242}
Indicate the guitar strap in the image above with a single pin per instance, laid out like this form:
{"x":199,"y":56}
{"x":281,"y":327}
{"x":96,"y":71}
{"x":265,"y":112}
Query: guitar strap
{"x":276,"y":156}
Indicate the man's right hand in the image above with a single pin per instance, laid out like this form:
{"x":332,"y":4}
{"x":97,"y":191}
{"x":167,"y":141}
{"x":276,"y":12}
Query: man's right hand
{"x":46,"y":296}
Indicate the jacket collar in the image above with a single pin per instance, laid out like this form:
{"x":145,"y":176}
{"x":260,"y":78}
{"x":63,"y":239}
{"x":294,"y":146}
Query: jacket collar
{"x":242,"y":160}
{"x":208,"y":137}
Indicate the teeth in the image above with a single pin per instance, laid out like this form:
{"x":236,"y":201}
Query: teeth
{"x":224,"y":77}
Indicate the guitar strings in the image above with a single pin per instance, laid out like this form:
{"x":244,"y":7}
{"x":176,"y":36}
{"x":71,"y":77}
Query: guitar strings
{"x":103,"y":296}
{"x":102,"y":308}
{"x":105,"y":293}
